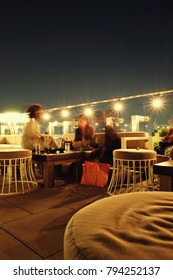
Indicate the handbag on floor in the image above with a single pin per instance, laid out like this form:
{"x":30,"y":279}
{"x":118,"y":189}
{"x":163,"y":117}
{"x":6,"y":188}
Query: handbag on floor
{"x":95,"y":173}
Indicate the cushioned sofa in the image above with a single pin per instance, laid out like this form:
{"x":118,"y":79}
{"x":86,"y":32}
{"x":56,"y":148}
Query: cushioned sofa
{"x":10,"y":141}
{"x":130,"y":139}
{"x":131,"y":226}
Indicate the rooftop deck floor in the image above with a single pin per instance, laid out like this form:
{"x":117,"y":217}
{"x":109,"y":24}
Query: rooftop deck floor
{"x":32,"y":225}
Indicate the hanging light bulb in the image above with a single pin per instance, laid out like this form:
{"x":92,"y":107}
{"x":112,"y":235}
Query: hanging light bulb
{"x":157,"y":103}
{"x":64,"y":113}
{"x":46,"y":116}
{"x":118,"y":106}
{"x":88,"y":111}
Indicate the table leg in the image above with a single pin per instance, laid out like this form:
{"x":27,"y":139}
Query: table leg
{"x":48,"y":174}
{"x":78,"y":171}
{"x":166,"y":183}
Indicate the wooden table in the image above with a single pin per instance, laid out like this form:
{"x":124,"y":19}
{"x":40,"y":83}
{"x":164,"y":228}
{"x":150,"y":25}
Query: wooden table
{"x":51,"y":160}
{"x":165,"y":172}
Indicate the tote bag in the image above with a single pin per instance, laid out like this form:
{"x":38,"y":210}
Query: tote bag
{"x":95,"y":174}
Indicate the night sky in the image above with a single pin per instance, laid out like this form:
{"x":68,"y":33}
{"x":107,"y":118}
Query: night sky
{"x":80,"y":51}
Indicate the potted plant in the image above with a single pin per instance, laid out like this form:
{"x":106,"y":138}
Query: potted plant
{"x":162,"y":132}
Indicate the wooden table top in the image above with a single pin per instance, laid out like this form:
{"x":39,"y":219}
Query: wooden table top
{"x":164,"y":168}
{"x":60,"y":156}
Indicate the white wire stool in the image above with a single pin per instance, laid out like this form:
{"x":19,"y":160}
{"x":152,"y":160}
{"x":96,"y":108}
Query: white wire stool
{"x":132,"y":168}
{"x":16,"y":172}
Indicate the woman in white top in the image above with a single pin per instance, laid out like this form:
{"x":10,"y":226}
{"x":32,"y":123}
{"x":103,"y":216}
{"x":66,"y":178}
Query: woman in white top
{"x":31,"y":134}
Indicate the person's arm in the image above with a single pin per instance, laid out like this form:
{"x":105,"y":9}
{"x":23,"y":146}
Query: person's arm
{"x":77,"y":138}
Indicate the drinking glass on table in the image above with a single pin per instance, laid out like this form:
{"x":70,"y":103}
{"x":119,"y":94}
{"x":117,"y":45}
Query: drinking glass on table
{"x":67,"y":147}
{"x":37,"y":146}
{"x":46,"y":144}
{"x":59,"y":143}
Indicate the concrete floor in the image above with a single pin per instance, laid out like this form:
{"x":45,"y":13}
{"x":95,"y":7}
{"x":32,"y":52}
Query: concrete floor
{"x":32,"y":225}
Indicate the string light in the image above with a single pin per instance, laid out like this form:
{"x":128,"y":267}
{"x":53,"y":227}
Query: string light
{"x":64,"y":113}
{"x":118,"y":106}
{"x":88,"y":111}
{"x":157,"y":103}
{"x":113,"y":100}
{"x":46,"y":116}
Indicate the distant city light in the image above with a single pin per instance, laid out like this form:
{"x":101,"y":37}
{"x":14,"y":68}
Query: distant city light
{"x":14,"y":117}
{"x":11,"y":121}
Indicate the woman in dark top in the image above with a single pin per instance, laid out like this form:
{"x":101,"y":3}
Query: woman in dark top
{"x":165,"y":144}
{"x":104,"y":153}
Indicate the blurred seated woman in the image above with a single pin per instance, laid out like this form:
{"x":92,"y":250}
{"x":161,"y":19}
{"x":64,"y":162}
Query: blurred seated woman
{"x":31,"y":135}
{"x":168,"y":144}
{"x":84,"y":135}
{"x":104,"y":153}
{"x":169,"y":137}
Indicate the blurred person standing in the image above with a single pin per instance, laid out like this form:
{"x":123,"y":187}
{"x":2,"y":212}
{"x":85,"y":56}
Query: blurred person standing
{"x":31,"y":134}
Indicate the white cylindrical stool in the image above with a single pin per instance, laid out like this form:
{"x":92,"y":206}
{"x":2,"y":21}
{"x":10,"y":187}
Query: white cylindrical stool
{"x":132,"y":167}
{"x":16,"y":173}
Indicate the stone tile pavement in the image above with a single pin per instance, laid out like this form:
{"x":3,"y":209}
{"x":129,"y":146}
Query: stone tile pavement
{"x":32,"y":225}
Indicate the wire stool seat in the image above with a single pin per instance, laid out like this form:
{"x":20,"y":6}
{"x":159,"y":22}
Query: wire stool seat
{"x":16,"y":172}
{"x":132,"y":168}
